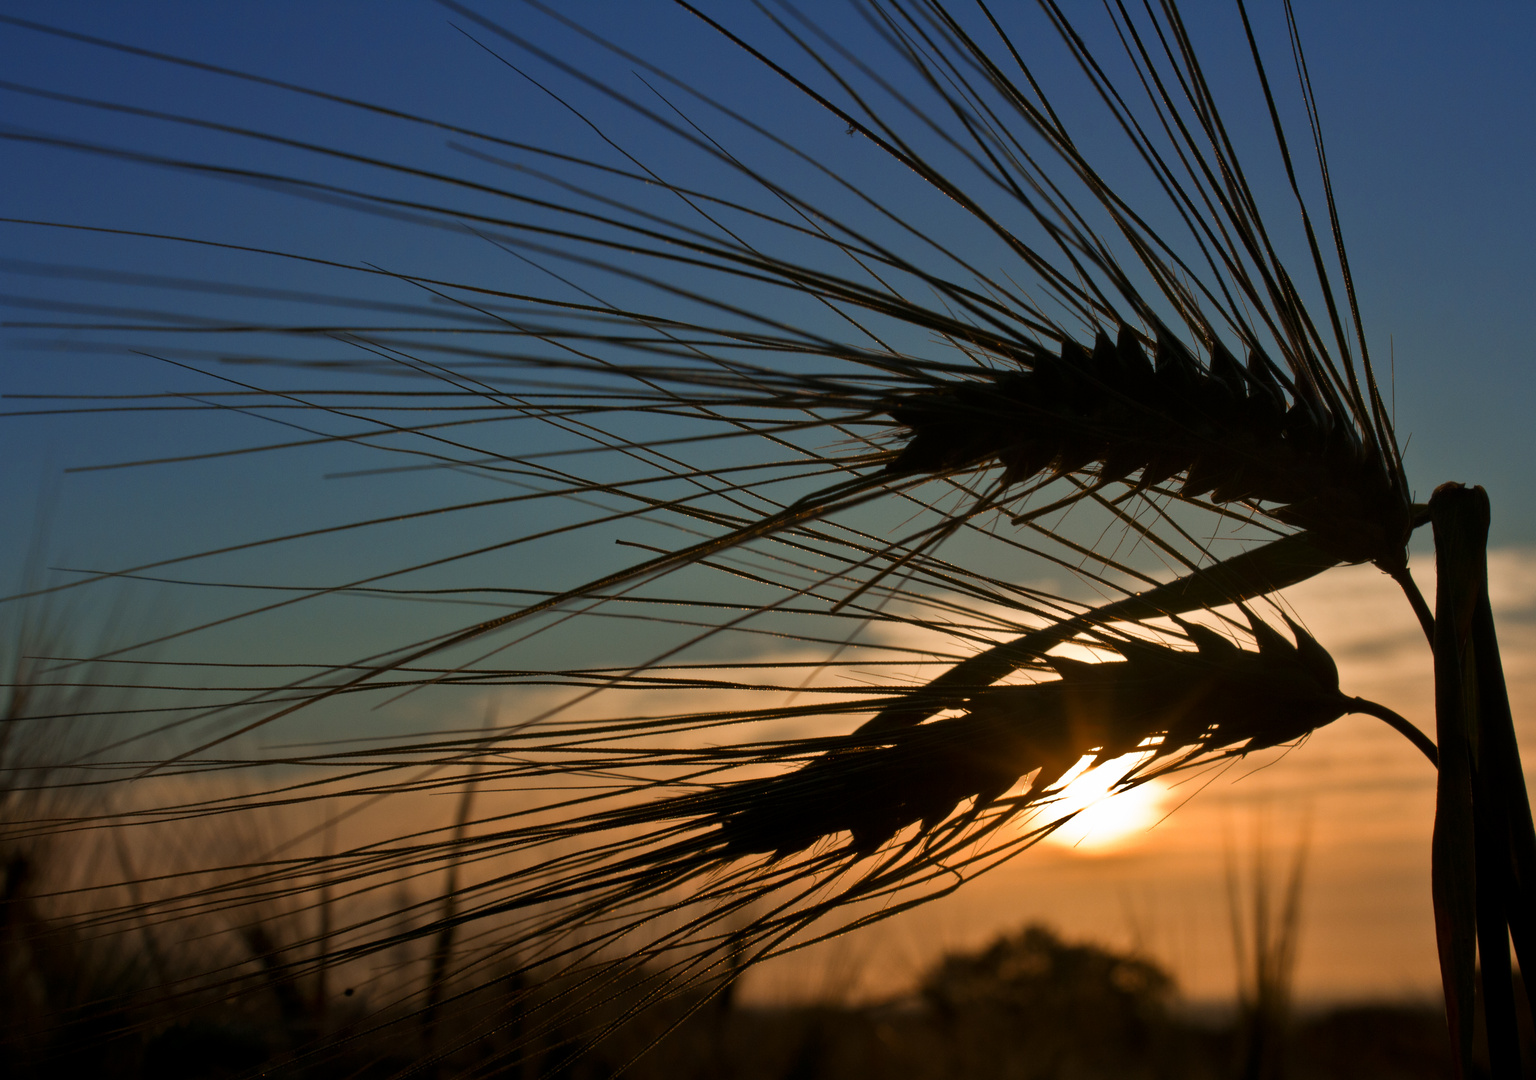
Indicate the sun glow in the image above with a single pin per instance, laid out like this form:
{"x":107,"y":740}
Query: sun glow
{"x":1101,"y":821}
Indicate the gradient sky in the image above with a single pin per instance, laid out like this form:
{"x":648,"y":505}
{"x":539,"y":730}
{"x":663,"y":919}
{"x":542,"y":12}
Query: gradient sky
{"x":1429,"y":112}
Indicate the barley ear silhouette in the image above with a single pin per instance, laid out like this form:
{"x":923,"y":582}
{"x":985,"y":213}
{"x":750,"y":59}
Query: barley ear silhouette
{"x":815,"y":459}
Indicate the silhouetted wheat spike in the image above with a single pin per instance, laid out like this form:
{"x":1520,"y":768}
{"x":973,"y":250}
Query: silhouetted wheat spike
{"x":1235,"y":433}
{"x":1219,"y":697}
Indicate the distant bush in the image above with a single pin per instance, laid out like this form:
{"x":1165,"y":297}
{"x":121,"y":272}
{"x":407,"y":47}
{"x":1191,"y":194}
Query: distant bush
{"x":1031,"y":1004}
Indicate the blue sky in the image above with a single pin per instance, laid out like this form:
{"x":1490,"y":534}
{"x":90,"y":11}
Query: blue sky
{"x":1428,"y":112}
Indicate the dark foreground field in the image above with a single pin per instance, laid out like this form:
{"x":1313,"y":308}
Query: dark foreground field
{"x":1028,"y":1006}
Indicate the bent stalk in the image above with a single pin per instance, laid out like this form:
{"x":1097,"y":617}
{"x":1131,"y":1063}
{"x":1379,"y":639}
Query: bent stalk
{"x":1482,"y":815}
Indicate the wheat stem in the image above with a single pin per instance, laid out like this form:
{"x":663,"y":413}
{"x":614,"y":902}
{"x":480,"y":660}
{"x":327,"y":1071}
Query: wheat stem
{"x":1398,"y":723}
{"x":1404,"y":579}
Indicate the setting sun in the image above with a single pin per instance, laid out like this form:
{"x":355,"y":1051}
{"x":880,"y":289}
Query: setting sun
{"x":1102,"y":821}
